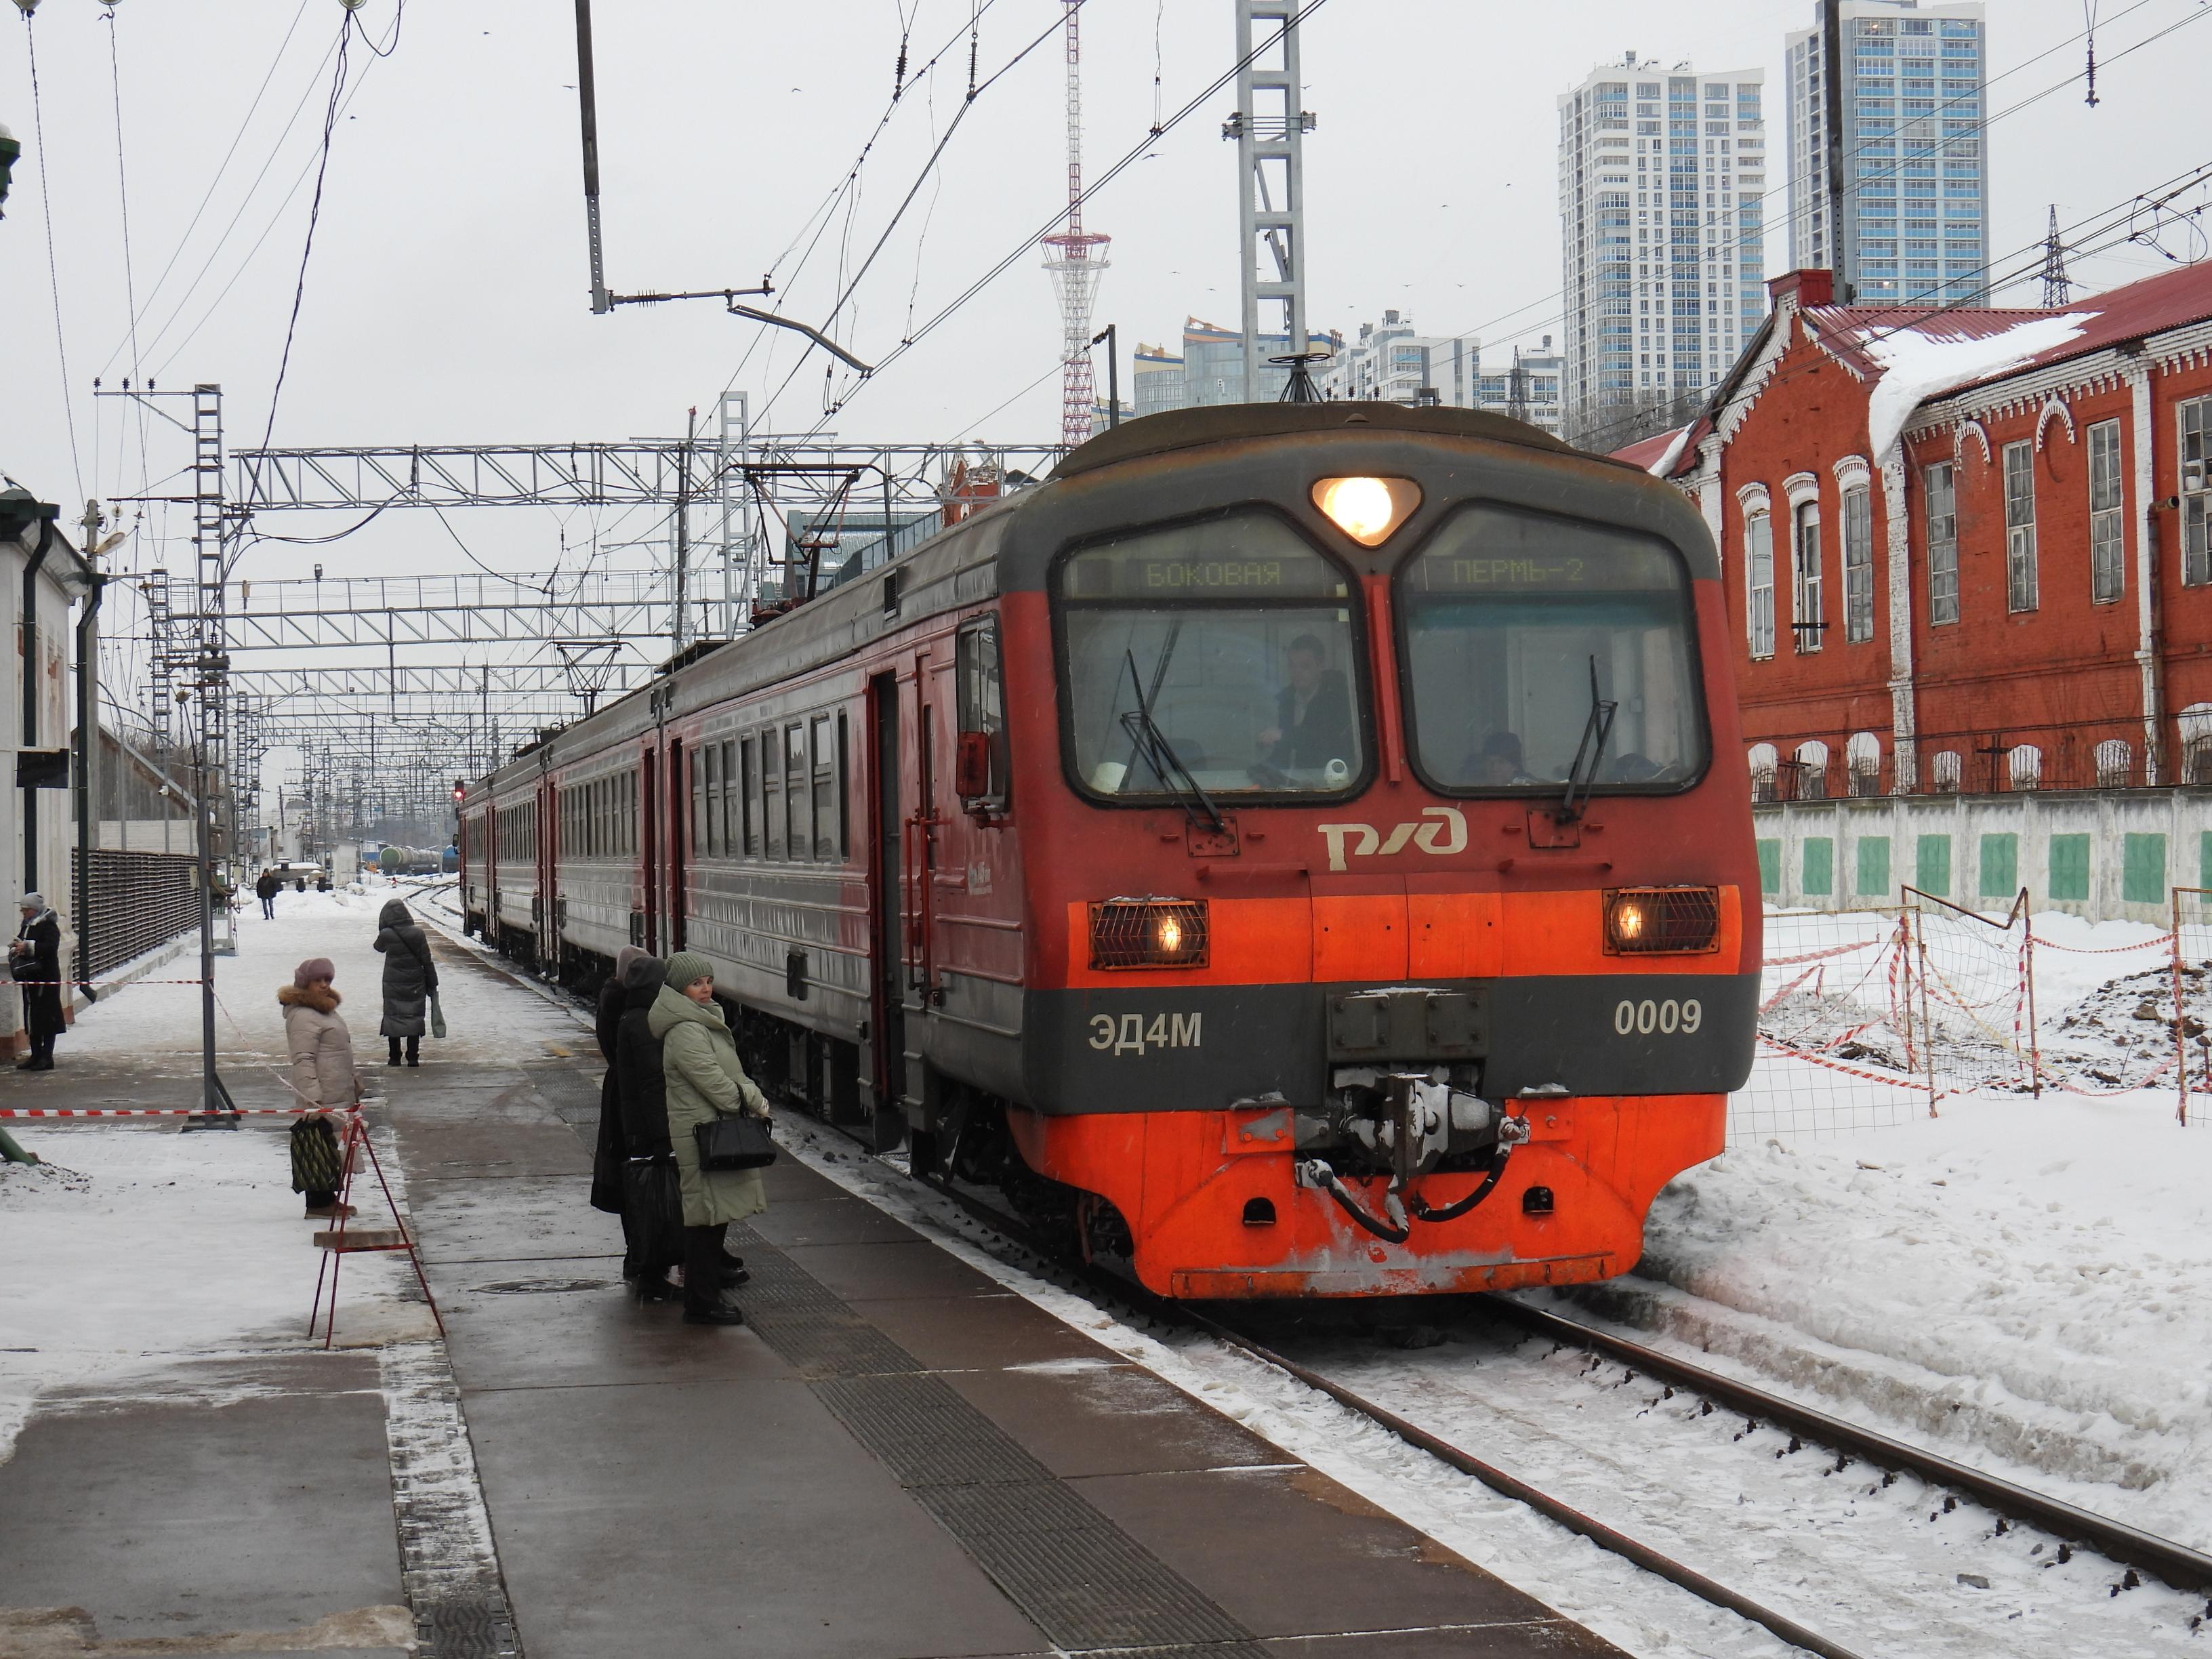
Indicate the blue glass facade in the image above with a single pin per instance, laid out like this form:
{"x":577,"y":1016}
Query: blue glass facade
{"x":1915,"y":205}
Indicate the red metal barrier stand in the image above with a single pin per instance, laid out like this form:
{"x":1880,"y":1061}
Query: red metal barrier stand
{"x":336,"y":1246}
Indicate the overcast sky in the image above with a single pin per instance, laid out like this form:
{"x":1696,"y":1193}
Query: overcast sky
{"x":447,"y":298}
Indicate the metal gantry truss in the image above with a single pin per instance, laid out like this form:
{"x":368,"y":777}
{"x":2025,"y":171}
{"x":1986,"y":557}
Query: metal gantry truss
{"x":411,"y":681}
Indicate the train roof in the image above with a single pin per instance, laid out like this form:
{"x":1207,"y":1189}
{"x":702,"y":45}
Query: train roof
{"x":1190,"y":428}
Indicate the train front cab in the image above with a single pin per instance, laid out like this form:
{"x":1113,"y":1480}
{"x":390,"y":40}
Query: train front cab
{"x":1440,"y":1000}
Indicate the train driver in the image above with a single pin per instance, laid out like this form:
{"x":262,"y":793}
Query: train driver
{"x":1313,"y":712}
{"x":1497,"y":764}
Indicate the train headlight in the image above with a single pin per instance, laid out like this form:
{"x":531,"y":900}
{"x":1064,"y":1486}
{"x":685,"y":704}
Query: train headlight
{"x":1367,"y":510}
{"x":1653,"y":920}
{"x":1148,"y":933}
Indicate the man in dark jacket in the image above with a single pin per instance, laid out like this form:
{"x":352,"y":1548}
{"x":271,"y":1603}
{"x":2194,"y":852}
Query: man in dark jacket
{"x":648,"y":1166}
{"x":266,"y":889}
{"x":35,"y":958}
{"x":1312,"y":713}
{"x":409,"y":979}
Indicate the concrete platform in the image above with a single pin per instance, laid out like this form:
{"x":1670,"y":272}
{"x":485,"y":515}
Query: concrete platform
{"x":894,"y":1459}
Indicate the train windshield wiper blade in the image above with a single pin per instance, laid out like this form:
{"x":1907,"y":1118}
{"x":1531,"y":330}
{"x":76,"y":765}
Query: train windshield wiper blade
{"x":1160,"y":754}
{"x":1596,"y":730}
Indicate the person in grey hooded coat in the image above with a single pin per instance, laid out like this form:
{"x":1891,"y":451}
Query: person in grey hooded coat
{"x":410,"y":977}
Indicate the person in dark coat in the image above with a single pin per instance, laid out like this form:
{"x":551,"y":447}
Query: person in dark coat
{"x":643,"y":1094}
{"x":410,"y":977}
{"x":35,"y":958}
{"x":612,"y":1151}
{"x":1312,"y":713}
{"x":266,"y":889}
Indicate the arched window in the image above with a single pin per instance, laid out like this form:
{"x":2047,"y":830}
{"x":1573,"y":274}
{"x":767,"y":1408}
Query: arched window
{"x":1808,"y":619}
{"x":1759,"y":583}
{"x":2115,"y":762}
{"x":1812,"y":770}
{"x":2027,"y":766}
{"x":1943,"y":772}
{"x":1762,"y":758}
{"x":1863,"y":755}
{"x":2196,"y":744}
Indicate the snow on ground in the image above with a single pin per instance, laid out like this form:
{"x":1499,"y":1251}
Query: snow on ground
{"x":136,"y":1246}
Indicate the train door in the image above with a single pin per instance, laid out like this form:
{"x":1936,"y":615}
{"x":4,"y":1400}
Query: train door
{"x":681,"y":825}
{"x":648,"y":844}
{"x":886,"y":863}
{"x":545,"y":862}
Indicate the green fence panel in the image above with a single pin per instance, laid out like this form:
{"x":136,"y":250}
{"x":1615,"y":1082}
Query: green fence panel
{"x":1873,"y":866}
{"x":2069,"y":866}
{"x":1931,"y":865}
{"x":1769,"y":866}
{"x":2000,"y":866}
{"x":2204,"y":859}
{"x":1819,"y":866}
{"x":2142,"y":870}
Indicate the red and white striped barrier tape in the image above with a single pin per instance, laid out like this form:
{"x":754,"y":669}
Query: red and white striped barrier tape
{"x":1822,"y":956}
{"x":174,"y":1111}
{"x":106,"y":984}
{"x":2160,"y":943}
{"x":1895,"y":1079}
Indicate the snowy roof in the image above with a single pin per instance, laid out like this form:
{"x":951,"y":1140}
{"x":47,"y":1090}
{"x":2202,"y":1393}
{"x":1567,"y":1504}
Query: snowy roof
{"x":1910,"y":356}
{"x":1659,"y":453}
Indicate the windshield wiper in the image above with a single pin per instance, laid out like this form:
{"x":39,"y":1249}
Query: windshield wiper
{"x":1151,"y":744}
{"x":1596,"y":730}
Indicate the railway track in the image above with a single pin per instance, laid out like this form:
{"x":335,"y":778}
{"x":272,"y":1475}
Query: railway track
{"x":2128,"y":1548}
{"x":2136,"y":1553}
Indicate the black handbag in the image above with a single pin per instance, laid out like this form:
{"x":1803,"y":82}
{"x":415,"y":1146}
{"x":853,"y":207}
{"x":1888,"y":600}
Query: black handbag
{"x":734,"y":1141}
{"x":652,"y":1207}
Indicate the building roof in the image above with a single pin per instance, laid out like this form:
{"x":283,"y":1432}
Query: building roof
{"x":1909,"y":355}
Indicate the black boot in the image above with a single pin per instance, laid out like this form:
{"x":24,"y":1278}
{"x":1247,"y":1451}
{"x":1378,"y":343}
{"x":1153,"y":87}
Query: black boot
{"x":414,"y":1051}
{"x":391,"y":1045}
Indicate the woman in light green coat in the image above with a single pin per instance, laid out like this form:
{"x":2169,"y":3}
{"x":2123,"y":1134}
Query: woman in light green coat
{"x":699,"y":1059}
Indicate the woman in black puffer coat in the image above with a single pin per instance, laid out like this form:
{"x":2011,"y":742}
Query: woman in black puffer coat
{"x":648,"y":1169}
{"x":612,"y":1151}
{"x":409,"y":979}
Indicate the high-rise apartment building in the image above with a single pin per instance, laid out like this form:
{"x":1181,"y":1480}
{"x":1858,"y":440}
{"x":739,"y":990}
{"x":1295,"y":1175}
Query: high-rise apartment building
{"x":1662,"y":174}
{"x":1916,"y":210}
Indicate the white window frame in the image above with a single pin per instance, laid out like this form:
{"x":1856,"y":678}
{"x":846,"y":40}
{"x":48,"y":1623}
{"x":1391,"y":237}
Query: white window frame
{"x":1942,"y":543}
{"x":2018,"y":463}
{"x":2193,"y":422}
{"x":1858,"y":565}
{"x":1759,"y":582}
{"x":1807,"y":599}
{"x":2107,"y":515}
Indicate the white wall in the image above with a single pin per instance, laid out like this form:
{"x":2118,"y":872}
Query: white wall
{"x":2177,"y":824}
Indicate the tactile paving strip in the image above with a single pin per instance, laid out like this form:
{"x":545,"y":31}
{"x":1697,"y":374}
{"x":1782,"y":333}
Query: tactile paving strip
{"x":1082,"y":1580}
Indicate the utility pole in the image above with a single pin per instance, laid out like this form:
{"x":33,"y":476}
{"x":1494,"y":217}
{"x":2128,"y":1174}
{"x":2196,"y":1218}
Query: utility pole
{"x":87,"y":733}
{"x":1113,"y":398}
{"x":1271,"y":177}
{"x":1841,"y":257}
{"x":679,"y":627}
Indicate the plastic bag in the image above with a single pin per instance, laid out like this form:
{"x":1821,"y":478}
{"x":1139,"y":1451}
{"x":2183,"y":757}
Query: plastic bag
{"x":437,"y":1017}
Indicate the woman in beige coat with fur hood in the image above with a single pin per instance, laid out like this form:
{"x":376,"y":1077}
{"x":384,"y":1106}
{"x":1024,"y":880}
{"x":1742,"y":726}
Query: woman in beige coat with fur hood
{"x":323,"y":1076}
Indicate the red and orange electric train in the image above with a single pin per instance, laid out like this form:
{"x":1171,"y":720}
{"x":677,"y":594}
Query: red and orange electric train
{"x":1296,"y":846}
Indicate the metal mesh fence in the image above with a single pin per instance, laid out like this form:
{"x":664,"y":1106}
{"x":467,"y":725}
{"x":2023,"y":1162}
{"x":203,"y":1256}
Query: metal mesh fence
{"x":133,"y":903}
{"x":1868,"y":1018}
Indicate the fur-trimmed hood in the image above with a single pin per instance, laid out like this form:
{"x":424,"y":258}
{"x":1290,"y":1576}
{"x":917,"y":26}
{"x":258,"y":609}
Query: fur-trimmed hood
{"x":324,"y":1000}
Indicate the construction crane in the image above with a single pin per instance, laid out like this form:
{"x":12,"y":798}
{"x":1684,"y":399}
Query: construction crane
{"x":1076,"y":258}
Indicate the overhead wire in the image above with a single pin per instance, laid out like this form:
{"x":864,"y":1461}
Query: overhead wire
{"x":314,"y":215}
{"x":53,"y":270}
{"x":123,"y":199}
{"x":1127,"y":160}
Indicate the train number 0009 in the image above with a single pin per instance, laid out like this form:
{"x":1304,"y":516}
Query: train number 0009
{"x":1669,"y":1018}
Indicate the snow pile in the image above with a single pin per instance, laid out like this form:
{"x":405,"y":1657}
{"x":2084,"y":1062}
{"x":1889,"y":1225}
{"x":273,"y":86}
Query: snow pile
{"x":135,"y":1245}
{"x":2020,"y":1282}
{"x":1916,"y":367}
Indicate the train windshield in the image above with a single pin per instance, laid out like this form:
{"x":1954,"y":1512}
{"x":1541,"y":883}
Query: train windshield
{"x":1516,"y":625}
{"x":1219,"y":655}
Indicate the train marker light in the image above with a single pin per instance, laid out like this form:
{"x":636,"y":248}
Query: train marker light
{"x":1367,"y":510}
{"x":1148,"y":933}
{"x":1653,"y":920}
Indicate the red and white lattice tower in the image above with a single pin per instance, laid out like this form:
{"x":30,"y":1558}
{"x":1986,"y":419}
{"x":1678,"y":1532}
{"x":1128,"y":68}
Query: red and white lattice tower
{"x":1076,"y":258}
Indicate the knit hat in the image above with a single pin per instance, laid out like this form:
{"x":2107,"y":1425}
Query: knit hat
{"x":685,"y":966}
{"x":313,"y":969}
{"x":31,"y":902}
{"x":644,"y":972}
{"x":623,"y":957}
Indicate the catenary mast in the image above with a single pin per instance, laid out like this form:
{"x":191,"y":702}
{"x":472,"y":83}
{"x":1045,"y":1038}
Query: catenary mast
{"x":1076,"y":258}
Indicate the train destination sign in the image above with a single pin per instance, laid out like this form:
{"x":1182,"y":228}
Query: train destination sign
{"x":1486,"y":552}
{"x":1241,"y":557}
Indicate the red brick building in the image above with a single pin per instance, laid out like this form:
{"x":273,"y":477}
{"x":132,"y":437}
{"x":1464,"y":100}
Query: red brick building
{"x":1967,"y":550}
